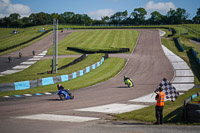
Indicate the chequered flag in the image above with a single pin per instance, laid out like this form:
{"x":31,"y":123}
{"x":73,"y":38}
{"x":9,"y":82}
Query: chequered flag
{"x":168,"y":89}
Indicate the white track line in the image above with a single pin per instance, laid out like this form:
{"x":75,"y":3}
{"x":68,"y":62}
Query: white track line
{"x":53,"y":117}
{"x":28,"y":63}
{"x":115,"y":108}
{"x":24,"y":65}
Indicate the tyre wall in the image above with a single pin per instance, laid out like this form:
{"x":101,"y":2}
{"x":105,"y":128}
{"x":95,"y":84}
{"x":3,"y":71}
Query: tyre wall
{"x":194,"y":53}
{"x":178,"y":45}
{"x":191,"y":110}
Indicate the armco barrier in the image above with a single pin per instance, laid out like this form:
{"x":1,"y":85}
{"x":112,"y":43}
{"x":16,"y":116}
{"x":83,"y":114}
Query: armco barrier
{"x":178,"y":45}
{"x":48,"y":80}
{"x":195,"y":55}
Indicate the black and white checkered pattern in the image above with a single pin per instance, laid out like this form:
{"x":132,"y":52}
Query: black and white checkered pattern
{"x":168,"y":89}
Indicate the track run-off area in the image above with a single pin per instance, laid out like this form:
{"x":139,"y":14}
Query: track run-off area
{"x":93,"y":106}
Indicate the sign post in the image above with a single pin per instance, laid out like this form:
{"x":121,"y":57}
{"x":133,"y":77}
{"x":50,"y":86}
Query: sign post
{"x":55,"y":46}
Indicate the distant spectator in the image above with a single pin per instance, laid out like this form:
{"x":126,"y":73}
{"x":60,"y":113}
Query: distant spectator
{"x":10,"y":59}
{"x":33,"y":52}
{"x":20,"y":55}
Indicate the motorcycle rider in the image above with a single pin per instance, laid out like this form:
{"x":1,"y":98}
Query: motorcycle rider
{"x":126,"y":79}
{"x":60,"y":87}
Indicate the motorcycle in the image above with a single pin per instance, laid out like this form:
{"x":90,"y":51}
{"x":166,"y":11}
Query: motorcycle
{"x":65,"y":95}
{"x":129,"y":82}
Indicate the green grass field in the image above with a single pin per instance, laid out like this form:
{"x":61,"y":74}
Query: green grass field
{"x":98,"y":40}
{"x":31,"y":73}
{"x":8,"y":39}
{"x":195,"y":27}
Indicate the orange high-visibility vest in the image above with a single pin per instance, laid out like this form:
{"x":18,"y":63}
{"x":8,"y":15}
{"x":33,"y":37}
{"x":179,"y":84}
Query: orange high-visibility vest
{"x":161,"y":99}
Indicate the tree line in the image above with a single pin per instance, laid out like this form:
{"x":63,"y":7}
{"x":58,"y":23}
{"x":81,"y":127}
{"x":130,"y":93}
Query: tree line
{"x":137,"y":17}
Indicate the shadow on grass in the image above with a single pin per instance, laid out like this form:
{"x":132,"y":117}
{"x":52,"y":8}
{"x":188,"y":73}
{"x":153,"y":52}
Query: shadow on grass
{"x":194,"y":65}
{"x":175,"y":116}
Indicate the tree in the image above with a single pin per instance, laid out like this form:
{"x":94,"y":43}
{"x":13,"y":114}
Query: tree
{"x":118,"y":17}
{"x":86,"y":19}
{"x":177,"y":16}
{"x":181,"y":15}
{"x":105,"y":19}
{"x":138,"y":16}
{"x":33,"y":19}
{"x":15,"y":20}
{"x":68,"y":17}
{"x":156,"y":18}
{"x":196,"y":19}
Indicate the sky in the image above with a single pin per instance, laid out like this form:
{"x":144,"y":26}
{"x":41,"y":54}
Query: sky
{"x":94,"y":8}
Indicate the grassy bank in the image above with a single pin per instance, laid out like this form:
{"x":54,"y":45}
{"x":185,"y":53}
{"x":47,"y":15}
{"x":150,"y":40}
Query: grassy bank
{"x":42,"y":66}
{"x":98,"y":40}
{"x":108,"y":69}
{"x":8,"y":39}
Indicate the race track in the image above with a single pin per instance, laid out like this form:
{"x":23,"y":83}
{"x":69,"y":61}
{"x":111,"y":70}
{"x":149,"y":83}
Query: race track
{"x":147,"y":65}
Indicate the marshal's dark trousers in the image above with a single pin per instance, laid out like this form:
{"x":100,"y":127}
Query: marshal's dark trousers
{"x":159,"y":114}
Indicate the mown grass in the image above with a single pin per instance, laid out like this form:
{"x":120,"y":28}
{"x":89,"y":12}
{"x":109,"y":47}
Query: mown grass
{"x":98,"y":40}
{"x":108,"y":69}
{"x":195,"y":27}
{"x":7,"y":39}
{"x":41,"y":66}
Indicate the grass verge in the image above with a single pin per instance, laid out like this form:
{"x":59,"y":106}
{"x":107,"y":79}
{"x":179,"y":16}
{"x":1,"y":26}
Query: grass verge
{"x":44,"y":65}
{"x":98,"y":40}
{"x":8,"y":40}
{"x":108,"y":69}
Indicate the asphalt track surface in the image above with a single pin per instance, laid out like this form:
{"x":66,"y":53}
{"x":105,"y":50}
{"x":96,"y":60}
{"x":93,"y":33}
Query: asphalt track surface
{"x":147,"y":65}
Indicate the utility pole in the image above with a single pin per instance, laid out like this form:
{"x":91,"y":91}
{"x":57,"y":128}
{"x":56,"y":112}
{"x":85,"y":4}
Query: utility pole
{"x":55,"y":46}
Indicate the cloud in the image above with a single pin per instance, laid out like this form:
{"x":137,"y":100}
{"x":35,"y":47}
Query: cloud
{"x":7,"y":8}
{"x":101,"y":13}
{"x":160,"y":6}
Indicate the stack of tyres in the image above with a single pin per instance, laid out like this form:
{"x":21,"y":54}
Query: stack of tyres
{"x":193,"y":112}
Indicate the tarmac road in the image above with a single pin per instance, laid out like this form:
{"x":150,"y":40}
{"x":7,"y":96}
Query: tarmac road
{"x":147,"y":66}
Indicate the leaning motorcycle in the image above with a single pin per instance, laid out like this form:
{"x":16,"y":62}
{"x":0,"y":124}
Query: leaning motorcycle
{"x":129,"y":82}
{"x":65,"y":95}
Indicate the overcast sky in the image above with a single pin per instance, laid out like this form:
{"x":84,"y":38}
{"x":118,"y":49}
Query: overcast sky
{"x":94,"y":8}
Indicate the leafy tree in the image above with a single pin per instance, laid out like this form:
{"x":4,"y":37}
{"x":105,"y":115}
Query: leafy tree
{"x":33,"y":19}
{"x":67,"y":16}
{"x":138,"y":16}
{"x":15,"y":20}
{"x":177,"y":16}
{"x":118,"y":17}
{"x":105,"y":19}
{"x":181,"y":15}
{"x":196,"y":19}
{"x":156,"y":18}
